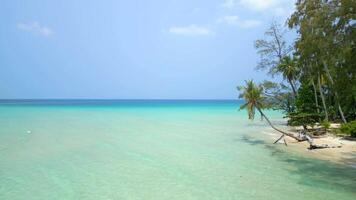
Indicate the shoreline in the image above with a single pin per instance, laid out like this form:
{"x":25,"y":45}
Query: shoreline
{"x":346,"y":154}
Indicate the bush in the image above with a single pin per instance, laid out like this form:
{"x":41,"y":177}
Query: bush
{"x":305,"y":102}
{"x":325,"y":124}
{"x":349,"y":128}
{"x":303,"y":119}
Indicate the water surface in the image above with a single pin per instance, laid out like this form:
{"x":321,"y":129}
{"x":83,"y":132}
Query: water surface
{"x":135,"y":149}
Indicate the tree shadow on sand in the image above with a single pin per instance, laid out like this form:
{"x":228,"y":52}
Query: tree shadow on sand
{"x":316,"y":173}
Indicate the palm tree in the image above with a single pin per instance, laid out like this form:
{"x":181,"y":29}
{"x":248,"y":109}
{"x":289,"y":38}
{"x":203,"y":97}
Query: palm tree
{"x":255,"y":100}
{"x":289,"y":70}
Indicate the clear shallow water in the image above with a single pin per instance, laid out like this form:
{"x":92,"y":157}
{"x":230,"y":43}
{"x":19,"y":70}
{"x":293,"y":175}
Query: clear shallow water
{"x":153,"y":150}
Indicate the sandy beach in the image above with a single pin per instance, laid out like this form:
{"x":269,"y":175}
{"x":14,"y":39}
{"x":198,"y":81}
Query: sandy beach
{"x":345,"y":154}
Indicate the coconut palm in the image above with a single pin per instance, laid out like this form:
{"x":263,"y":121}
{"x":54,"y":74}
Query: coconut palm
{"x":253,"y":97}
{"x":255,"y":100}
{"x":289,"y":70}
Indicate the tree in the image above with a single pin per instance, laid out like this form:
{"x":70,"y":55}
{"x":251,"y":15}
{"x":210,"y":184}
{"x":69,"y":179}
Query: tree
{"x":289,"y":70}
{"x":274,"y":52}
{"x":272,"y":48}
{"x":255,"y":100}
{"x":278,"y":96}
{"x":305,"y":113}
{"x":326,"y":38}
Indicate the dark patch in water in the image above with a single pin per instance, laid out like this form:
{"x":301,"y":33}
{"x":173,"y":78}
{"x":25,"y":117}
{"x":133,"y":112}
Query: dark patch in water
{"x":314,"y":172}
{"x":251,"y":141}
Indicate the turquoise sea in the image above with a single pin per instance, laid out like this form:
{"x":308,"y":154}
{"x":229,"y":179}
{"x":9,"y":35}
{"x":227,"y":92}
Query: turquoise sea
{"x":153,"y":149}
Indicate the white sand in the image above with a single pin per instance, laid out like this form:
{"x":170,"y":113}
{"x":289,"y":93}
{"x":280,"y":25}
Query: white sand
{"x":346,"y":154}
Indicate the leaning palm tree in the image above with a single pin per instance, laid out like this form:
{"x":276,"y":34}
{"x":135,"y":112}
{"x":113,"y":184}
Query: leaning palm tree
{"x":255,"y":100}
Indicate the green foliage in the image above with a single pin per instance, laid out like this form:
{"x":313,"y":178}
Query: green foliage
{"x":289,"y":69}
{"x":253,"y":95}
{"x":349,"y":128}
{"x":278,"y":96}
{"x":325,"y":124}
{"x":305,"y":102}
{"x":306,"y":113}
{"x":303,"y":119}
{"x":320,"y":69}
{"x":326,"y":45}
{"x":276,"y":58}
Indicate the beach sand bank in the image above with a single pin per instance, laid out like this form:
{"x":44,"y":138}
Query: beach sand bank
{"x":346,"y":154}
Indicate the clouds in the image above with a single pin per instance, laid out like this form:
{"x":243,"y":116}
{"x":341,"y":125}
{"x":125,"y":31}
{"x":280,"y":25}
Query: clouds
{"x":35,"y":28}
{"x":276,"y":7}
{"x":191,"y":30}
{"x":196,"y":30}
{"x":257,"y":5}
{"x":242,"y":14}
{"x":236,"y":21}
{"x":260,"y":5}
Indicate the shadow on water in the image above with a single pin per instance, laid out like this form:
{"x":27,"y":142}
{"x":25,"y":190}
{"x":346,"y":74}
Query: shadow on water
{"x":263,"y":123}
{"x":313,"y":172}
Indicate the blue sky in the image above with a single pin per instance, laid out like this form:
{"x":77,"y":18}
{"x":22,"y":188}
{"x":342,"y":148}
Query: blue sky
{"x":158,"y":49}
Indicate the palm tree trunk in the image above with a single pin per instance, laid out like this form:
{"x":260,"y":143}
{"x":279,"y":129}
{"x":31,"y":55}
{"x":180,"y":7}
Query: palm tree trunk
{"x":336,"y":95}
{"x":293,"y":87}
{"x":315,"y":96}
{"x":323,"y":98}
{"x":340,"y":110}
{"x":299,"y":139}
{"x":284,"y":133}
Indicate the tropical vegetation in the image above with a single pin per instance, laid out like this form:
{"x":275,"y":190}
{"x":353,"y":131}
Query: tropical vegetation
{"x":349,"y":128}
{"x":318,"y":68}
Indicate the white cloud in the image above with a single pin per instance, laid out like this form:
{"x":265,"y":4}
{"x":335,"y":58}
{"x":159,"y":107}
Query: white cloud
{"x":260,"y":5}
{"x":277,"y":7}
{"x":191,"y":30}
{"x":36,"y":28}
{"x":236,"y":21}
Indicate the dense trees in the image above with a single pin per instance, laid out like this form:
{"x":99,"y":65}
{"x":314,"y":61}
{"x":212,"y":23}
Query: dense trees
{"x":325,"y":45}
{"x":318,"y":69}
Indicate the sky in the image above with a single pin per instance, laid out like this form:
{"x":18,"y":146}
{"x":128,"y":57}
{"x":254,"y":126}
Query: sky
{"x":137,"y":49}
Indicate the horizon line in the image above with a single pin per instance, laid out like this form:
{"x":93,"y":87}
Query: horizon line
{"x":121,"y":99}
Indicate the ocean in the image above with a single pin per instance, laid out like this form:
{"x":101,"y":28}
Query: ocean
{"x":154,"y":149}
